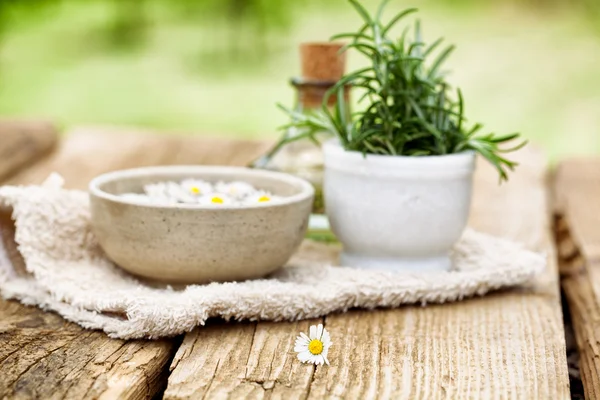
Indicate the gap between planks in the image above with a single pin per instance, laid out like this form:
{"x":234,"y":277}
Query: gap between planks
{"x":577,"y":188}
{"x":455,"y":350}
{"x":50,"y":358}
{"x":506,"y":345}
{"x":45,"y":357}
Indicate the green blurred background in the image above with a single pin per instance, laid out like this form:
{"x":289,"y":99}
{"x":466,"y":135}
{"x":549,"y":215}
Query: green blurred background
{"x":217,"y":67}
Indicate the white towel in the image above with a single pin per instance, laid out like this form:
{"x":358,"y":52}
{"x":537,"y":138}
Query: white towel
{"x":51,"y":259}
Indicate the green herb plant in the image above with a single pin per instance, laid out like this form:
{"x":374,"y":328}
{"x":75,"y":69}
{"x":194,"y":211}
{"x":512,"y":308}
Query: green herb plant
{"x":410,"y":110}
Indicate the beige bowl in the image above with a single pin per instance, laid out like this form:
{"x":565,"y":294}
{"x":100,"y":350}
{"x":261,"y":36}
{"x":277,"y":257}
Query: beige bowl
{"x":193,"y":243}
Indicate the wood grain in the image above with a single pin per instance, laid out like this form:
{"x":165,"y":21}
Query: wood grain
{"x":507,"y":345}
{"x":268,"y":368}
{"x":245,"y":360}
{"x":577,"y":185}
{"x":41,"y":355}
{"x":44,"y":357}
{"x":22,"y":142}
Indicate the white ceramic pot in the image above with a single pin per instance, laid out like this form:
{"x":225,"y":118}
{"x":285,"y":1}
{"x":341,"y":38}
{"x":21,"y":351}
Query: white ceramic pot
{"x":397,"y":212}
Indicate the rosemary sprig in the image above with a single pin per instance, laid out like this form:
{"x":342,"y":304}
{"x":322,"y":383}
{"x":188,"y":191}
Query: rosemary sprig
{"x":410,"y":108}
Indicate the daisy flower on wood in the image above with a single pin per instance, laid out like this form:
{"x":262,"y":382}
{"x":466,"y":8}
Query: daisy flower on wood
{"x":314,"y":347}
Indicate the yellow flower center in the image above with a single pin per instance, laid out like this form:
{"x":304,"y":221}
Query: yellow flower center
{"x":315,"y":347}
{"x":264,"y":198}
{"x":217,"y":200}
{"x":195,"y":190}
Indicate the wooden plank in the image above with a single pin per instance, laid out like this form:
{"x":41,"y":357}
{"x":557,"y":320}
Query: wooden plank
{"x":91,"y":151}
{"x":267,"y":366}
{"x":503,"y":346}
{"x":42,"y":356}
{"x":508,"y":345}
{"x":22,"y":142}
{"x":209,"y":363}
{"x":98,"y":150}
{"x":45,"y":357}
{"x":240,"y":360}
{"x":577,"y":185}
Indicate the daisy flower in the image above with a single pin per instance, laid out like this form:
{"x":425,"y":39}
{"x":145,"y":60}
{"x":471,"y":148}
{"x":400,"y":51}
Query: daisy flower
{"x":159,"y":193}
{"x":261,"y":197}
{"x":235,"y":189}
{"x":197,"y":191}
{"x":157,"y":190}
{"x":314,"y":347}
{"x":196,"y":187}
{"x":216,"y":199}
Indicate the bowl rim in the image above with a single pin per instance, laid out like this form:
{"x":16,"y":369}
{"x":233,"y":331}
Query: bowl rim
{"x":307,"y":190}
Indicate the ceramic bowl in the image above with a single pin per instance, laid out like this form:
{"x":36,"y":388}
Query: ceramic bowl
{"x":190,"y":243}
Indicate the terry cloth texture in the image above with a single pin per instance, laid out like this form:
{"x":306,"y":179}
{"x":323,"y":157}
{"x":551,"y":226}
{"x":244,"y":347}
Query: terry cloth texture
{"x":51,"y":259}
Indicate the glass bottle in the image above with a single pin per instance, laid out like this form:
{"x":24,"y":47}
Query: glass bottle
{"x":303,"y":157}
{"x":322,"y":67}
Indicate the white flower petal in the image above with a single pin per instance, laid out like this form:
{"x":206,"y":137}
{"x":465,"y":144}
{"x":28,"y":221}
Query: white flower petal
{"x":305,"y":337}
{"x":312,"y":332}
{"x":302,"y":339}
{"x":300,"y":348}
{"x":301,"y":345}
{"x":304,"y":356}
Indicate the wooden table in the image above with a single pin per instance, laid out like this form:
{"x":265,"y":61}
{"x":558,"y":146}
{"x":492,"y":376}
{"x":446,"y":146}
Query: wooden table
{"x":506,"y":345}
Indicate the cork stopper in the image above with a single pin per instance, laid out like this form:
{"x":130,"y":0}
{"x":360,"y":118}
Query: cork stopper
{"x":322,"y":61}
